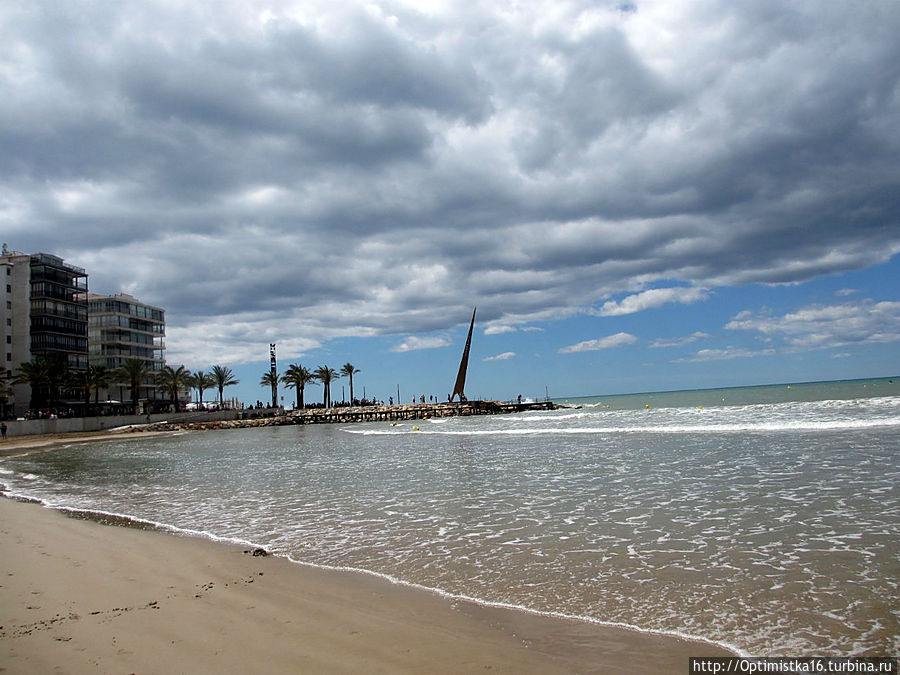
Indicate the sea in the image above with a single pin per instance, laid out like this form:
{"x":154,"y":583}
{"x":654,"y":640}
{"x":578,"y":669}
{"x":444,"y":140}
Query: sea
{"x":766,"y":518}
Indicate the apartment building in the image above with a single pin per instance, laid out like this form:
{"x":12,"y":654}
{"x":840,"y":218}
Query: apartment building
{"x":121,"y":328}
{"x":44,"y":313}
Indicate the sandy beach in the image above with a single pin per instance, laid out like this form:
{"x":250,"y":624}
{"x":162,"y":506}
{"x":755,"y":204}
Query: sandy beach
{"x":16,"y":445}
{"x":78,"y":596}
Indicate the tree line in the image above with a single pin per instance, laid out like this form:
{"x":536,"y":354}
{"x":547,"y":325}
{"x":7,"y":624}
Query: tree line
{"x":297,"y":377}
{"x":49,"y":377}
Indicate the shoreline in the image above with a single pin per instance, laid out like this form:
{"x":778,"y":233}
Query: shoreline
{"x":111,"y":519}
{"x":23,"y":445}
{"x":689,"y":618}
{"x":78,"y":592}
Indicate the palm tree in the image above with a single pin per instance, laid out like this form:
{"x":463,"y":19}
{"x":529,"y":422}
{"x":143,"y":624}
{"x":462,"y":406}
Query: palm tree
{"x":270,"y":379}
{"x":201,"y":381}
{"x":99,"y":379}
{"x":5,"y":392}
{"x":34,"y":374}
{"x":174,"y":380}
{"x":135,"y":372}
{"x":298,"y":377}
{"x":81,"y":380}
{"x":326,"y":376}
{"x":93,"y":378}
{"x":43,"y":375}
{"x":223,"y":378}
{"x":349,"y":370}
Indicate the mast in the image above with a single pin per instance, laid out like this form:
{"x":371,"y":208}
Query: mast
{"x":464,"y":364}
{"x":274,"y":372}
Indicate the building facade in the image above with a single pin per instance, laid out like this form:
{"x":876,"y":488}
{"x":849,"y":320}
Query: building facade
{"x":122,"y":328}
{"x":44,"y":315}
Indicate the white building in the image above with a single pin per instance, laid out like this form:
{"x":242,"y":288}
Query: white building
{"x":122,"y":328}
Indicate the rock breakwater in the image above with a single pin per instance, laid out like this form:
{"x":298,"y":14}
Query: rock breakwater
{"x":388,"y":413}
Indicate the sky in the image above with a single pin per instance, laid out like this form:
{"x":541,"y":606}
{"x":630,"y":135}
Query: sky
{"x":636,"y":196}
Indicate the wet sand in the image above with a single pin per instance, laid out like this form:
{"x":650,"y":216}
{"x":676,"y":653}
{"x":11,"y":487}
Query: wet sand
{"x":77,"y":596}
{"x":18,"y":445}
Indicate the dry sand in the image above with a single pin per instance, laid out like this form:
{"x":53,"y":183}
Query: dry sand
{"x":77,"y":596}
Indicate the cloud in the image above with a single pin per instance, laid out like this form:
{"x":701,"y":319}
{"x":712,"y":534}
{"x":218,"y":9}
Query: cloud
{"x":680,"y":342}
{"x":413,"y":343}
{"x":500,"y":357}
{"x":651,"y":299}
{"x":617,"y":340}
{"x":241,"y":340}
{"x":340,"y":169}
{"x":827,"y":326}
{"x":724,"y":354}
{"x":499,"y":329}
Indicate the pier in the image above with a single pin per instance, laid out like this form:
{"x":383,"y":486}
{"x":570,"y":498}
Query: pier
{"x":414,"y":411}
{"x":348,"y":415}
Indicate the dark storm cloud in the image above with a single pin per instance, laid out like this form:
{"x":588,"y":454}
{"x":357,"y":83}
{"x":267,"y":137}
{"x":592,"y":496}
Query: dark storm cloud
{"x":347,"y":169}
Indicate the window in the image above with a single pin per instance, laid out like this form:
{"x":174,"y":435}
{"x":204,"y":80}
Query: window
{"x":8,"y":288}
{"x":8,"y":356}
{"x":9,"y":339}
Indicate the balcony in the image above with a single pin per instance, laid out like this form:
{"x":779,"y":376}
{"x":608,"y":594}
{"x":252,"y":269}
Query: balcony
{"x":63,"y":326}
{"x":46,"y":307}
{"x":54,"y":261}
{"x":57,"y":291}
{"x":54,"y":342}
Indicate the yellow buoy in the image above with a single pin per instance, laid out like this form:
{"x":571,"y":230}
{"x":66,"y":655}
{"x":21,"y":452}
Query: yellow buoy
{"x":415,"y":428}
{"x":646,"y":405}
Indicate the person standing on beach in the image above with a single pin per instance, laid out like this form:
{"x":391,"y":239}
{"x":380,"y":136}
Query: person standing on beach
{"x":3,"y":430}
